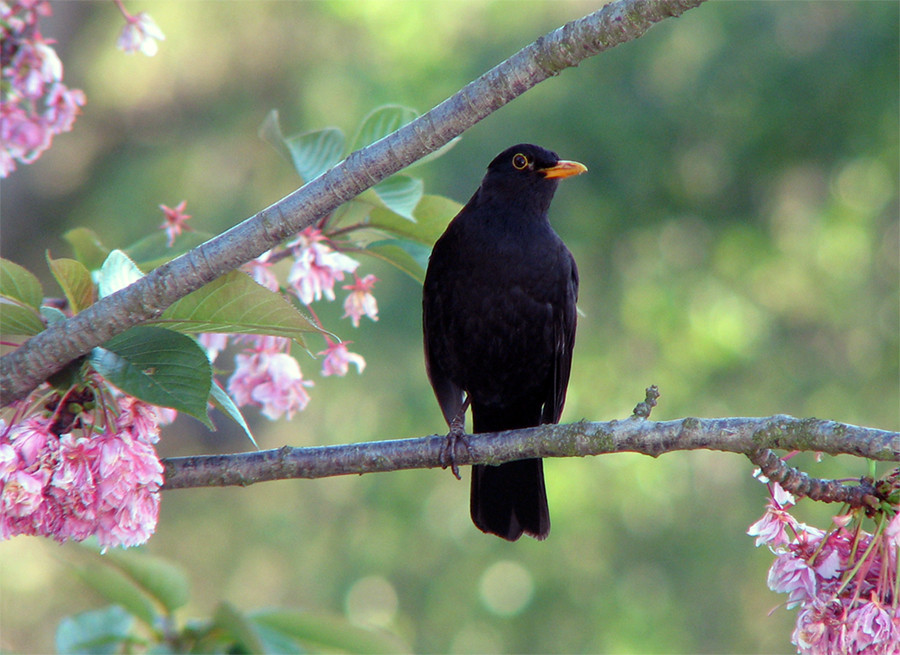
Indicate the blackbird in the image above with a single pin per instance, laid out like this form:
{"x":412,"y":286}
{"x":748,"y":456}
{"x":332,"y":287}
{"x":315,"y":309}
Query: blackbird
{"x":499,"y":326}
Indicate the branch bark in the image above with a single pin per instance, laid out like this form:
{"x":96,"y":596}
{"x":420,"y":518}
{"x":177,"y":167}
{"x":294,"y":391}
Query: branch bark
{"x":748,"y":436}
{"x":25,"y":368}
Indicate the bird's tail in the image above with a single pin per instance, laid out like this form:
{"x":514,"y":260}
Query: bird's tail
{"x":510,"y":499}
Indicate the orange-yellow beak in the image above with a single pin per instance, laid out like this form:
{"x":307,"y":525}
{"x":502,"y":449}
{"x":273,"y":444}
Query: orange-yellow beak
{"x":564,"y":168}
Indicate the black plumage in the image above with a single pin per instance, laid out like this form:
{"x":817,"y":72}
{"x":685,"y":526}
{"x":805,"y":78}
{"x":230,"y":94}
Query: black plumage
{"x":499,"y":327}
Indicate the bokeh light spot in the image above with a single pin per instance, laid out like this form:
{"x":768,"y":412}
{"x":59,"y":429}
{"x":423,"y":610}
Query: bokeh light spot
{"x":371,"y":601}
{"x":506,"y":588}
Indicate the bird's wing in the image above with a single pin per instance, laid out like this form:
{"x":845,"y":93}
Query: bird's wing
{"x":564,"y":340}
{"x":434,"y":322}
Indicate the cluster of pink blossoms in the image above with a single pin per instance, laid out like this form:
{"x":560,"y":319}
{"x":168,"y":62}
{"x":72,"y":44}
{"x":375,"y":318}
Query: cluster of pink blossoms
{"x":268,"y":377}
{"x":90,"y":480}
{"x":843,"y":581}
{"x":265,"y":374}
{"x":35,"y":104}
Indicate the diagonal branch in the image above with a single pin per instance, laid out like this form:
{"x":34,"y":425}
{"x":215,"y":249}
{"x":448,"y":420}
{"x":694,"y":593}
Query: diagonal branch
{"x":44,"y":354}
{"x":749,"y":436}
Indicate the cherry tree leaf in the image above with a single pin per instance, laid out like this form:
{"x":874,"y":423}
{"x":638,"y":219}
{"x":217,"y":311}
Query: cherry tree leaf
{"x":226,"y":405}
{"x":401,"y":194}
{"x":75,"y":281}
{"x":270,"y":132}
{"x":117,"y":272}
{"x":117,"y":588}
{"x":88,"y":248}
{"x":234,"y":303}
{"x":158,"y":366}
{"x":154,"y":249}
{"x":319,"y":631}
{"x":20,"y":285}
{"x":19,"y":319}
{"x":432,"y":215}
{"x":408,"y":256}
{"x":98,"y":631}
{"x":381,"y":122}
{"x":162,"y":580}
{"x":314,"y":153}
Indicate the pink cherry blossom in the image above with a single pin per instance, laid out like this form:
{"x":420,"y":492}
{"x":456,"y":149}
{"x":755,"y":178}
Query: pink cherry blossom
{"x":284,"y":392}
{"x":260,"y":269}
{"x":30,"y":439}
{"x":843,"y":581}
{"x":892,"y":531}
{"x":174,"y":223}
{"x":792,"y":576}
{"x":360,"y":302}
{"x":213,"y":343}
{"x":142,"y":420}
{"x":9,"y":460}
{"x":874,"y":628}
{"x":35,"y":105}
{"x":317,"y":266}
{"x":338,"y":359}
{"x":130,"y":475}
{"x":140,"y":34}
{"x":270,"y":378}
{"x":22,"y":493}
{"x":102,"y":483}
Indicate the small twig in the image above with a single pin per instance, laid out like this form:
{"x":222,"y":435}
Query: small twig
{"x":643,"y":409}
{"x":799,"y":483}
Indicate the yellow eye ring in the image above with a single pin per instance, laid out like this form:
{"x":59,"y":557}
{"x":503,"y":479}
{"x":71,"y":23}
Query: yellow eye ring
{"x":519,"y":161}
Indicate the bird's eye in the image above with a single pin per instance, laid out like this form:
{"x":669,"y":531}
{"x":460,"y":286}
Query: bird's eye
{"x":519,"y":161}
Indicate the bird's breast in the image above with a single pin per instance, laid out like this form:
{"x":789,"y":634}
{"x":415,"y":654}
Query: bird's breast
{"x":505,"y":300}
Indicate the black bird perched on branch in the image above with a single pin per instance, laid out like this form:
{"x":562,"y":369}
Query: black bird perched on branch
{"x":499,"y":325}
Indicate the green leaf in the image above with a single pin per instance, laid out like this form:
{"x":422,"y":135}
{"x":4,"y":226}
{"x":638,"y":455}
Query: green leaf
{"x":19,"y":320}
{"x":99,"y":632}
{"x":19,"y":284}
{"x":401,"y":194}
{"x":118,"y":589}
{"x":233,"y":622}
{"x":270,"y":132}
{"x":87,"y":247}
{"x":159,"y":578}
{"x":275,"y":641}
{"x":225,"y":404}
{"x":234,"y":303}
{"x":314,"y":153}
{"x":158,"y":366}
{"x":432,"y":215}
{"x":52,"y":315}
{"x":75,"y":281}
{"x":153,"y":250}
{"x":381,"y":122}
{"x":409,"y":256}
{"x":117,"y":272}
{"x":330,"y":633}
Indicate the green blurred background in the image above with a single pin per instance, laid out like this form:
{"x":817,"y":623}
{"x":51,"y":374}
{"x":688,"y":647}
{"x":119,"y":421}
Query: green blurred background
{"x":737,"y":237}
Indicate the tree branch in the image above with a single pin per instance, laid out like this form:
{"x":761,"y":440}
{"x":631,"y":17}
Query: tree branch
{"x":44,"y":354}
{"x":749,"y":436}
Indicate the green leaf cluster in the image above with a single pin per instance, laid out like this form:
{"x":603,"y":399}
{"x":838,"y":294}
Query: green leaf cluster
{"x":144,"y":593}
{"x":397,"y":208}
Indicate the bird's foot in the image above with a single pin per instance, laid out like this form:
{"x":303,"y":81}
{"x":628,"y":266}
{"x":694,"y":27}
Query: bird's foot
{"x":448,"y":450}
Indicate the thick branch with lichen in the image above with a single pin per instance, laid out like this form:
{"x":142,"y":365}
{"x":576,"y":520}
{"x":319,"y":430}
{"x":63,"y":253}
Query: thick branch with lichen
{"x":749,"y":436}
{"x":44,"y":354}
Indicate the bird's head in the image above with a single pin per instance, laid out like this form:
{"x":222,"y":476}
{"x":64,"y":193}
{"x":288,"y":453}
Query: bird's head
{"x":527,"y":173}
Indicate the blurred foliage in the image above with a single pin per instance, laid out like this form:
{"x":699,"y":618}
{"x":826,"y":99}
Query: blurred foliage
{"x":145,"y":593}
{"x":737,"y":237}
